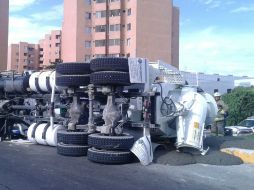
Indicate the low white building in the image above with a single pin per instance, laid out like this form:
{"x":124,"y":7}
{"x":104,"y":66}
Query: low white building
{"x":216,"y":83}
{"x":210,"y":83}
{"x":244,"y":82}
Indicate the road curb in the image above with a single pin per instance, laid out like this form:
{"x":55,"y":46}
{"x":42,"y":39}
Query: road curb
{"x":246,"y":155}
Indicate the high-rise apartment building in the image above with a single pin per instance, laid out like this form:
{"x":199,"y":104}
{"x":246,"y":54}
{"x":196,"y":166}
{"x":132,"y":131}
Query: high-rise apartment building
{"x":26,"y":56}
{"x":120,"y":28}
{"x":50,"y":48}
{"x":4,"y":22}
{"x":23,"y":56}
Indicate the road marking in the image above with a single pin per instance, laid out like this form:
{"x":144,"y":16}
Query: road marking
{"x":246,"y":155}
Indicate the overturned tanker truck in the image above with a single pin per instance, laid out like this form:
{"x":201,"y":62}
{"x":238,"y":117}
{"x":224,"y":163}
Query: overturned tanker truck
{"x":108,"y":109}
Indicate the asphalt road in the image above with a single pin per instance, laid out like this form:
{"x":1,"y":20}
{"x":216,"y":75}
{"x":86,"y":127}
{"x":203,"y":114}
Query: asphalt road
{"x":25,"y":167}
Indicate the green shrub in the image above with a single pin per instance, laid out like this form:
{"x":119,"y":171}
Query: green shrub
{"x":241,"y":104}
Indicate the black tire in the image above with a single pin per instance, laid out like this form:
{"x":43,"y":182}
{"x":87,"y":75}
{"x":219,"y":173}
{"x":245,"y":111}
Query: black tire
{"x":109,"y":64}
{"x":73,"y":68}
{"x":109,"y":157}
{"x":100,"y":141}
{"x":73,"y":80}
{"x":72,"y":137}
{"x":114,"y":78}
{"x":71,"y":150}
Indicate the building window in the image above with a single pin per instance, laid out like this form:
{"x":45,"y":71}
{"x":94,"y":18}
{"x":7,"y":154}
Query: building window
{"x":100,"y":28}
{"x":112,"y":1}
{"x":88,"y":16}
{"x":129,"y":12}
{"x":114,"y":27}
{"x":30,"y":49}
{"x":215,"y":90}
{"x":218,"y":79}
{"x":88,"y":44}
{"x":100,"y":43}
{"x":114,"y":42}
{"x":57,"y":44}
{"x":116,"y":12}
{"x":87,"y":58}
{"x":100,"y":55}
{"x":114,"y":55}
{"x":88,"y":30}
{"x":128,"y":42}
{"x":100,"y":14}
{"x":58,"y":36}
{"x":128,"y":26}
{"x":100,"y":1}
{"x":88,"y":2}
{"x":229,"y":91}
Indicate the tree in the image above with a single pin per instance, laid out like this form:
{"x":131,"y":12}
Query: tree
{"x":241,"y":104}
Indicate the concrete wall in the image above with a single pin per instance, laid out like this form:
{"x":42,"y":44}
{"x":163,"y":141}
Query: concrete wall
{"x":175,"y":37}
{"x":154,"y":29}
{"x":4,"y":20}
{"x":13,"y":57}
{"x":69,"y":30}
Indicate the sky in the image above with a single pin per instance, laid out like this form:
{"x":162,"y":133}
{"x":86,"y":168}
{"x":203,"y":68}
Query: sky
{"x":216,"y":36}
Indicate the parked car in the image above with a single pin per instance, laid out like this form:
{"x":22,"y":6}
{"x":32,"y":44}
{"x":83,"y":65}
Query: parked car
{"x":244,"y":127}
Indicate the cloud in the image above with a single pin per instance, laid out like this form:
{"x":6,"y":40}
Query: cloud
{"x":54,"y":13}
{"x":31,"y":28}
{"x":185,"y":22}
{"x":243,"y":9}
{"x":18,"y":5}
{"x":213,"y":51}
{"x":208,"y":2}
{"x":26,"y":30}
{"x":216,"y":3}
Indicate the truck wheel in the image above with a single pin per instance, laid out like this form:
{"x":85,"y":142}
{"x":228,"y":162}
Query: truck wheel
{"x":71,"y":150}
{"x":100,"y":141}
{"x":72,"y":137}
{"x":73,"y":68}
{"x":109,"y":157}
{"x":72,"y":80}
{"x":109,"y":64}
{"x":114,"y":78}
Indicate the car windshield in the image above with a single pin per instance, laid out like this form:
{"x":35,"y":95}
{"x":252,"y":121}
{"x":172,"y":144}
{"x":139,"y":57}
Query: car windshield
{"x":247,"y":123}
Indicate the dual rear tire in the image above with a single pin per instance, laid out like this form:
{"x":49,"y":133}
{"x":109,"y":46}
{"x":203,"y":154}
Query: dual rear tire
{"x":73,"y":74}
{"x":110,"y":149}
{"x":72,"y":143}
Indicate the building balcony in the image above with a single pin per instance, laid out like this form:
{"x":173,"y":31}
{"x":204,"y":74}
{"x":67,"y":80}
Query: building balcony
{"x":58,"y":40}
{"x":99,"y":6}
{"x":99,"y":21}
{"x":99,"y":35}
{"x":114,"y":49}
{"x":115,"y":5}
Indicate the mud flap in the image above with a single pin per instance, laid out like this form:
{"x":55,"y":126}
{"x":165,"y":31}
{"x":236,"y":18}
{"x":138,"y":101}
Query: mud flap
{"x":143,"y":149}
